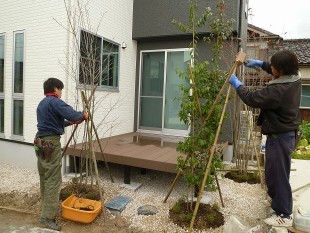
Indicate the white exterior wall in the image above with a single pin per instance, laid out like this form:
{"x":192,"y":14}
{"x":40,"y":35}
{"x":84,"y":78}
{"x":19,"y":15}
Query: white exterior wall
{"x":46,"y":44}
{"x":116,"y":26}
{"x":304,"y":72}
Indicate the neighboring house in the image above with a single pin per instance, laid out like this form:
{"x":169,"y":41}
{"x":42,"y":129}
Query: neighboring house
{"x":137,"y":44}
{"x":263,"y":44}
{"x":302,"y":49}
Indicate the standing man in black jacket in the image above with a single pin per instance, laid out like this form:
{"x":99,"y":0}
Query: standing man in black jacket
{"x":279,"y":102}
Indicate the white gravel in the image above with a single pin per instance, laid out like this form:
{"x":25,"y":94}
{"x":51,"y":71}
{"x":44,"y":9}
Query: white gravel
{"x":243,"y":201}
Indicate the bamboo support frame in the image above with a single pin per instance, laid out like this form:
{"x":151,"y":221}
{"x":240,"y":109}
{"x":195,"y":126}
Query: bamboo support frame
{"x":97,"y":137}
{"x":90,"y":141}
{"x":239,"y":60}
{"x":254,"y":146}
{"x":85,"y":103}
{"x":76,"y":126}
{"x":209,"y":162}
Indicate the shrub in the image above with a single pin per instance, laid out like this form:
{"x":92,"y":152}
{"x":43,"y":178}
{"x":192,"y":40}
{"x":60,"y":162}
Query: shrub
{"x":210,"y":218}
{"x":215,"y":206}
{"x":304,"y":129}
{"x":176,"y":208}
{"x":244,"y":177}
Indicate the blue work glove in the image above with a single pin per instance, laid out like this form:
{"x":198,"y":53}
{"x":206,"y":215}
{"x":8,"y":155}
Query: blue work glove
{"x":253,"y":63}
{"x":235,"y":82}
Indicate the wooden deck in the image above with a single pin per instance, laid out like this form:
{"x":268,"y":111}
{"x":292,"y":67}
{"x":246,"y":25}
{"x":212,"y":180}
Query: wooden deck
{"x":136,"y":150}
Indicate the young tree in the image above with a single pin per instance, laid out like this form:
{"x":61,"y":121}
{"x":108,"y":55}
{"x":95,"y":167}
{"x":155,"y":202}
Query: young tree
{"x":205,"y":79}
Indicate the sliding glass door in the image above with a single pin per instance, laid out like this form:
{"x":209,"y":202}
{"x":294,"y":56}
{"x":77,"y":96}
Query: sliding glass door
{"x":159,"y":91}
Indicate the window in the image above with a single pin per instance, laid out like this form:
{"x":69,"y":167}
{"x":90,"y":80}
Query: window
{"x":18,"y":123}
{"x":1,"y":115}
{"x":18,"y":84}
{"x":159,"y":102}
{"x":2,"y":40}
{"x":305,"y":96}
{"x":109,"y":65}
{"x":1,"y":62}
{"x":98,"y":61}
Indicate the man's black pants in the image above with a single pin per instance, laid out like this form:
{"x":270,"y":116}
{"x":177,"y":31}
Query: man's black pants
{"x":279,"y":148}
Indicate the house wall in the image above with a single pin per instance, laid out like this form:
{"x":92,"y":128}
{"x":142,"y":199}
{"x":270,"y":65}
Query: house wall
{"x":162,"y":34}
{"x":47,"y":43}
{"x":305,"y":74}
{"x":157,"y":16}
{"x":205,"y":53}
{"x":44,"y":46}
{"x":115,"y":112}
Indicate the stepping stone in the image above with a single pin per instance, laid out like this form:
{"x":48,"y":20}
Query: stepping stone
{"x":118,"y":203}
{"x":147,"y":210}
{"x":132,"y":186}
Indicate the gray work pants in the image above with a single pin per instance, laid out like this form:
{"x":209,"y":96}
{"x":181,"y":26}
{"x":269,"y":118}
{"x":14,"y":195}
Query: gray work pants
{"x":50,"y":179}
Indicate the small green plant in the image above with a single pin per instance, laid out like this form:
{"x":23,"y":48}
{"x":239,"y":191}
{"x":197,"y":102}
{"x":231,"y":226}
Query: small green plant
{"x":304,"y":129}
{"x":233,"y":174}
{"x":176,"y":208}
{"x":305,"y":156}
{"x":210,"y":218}
{"x":75,"y":180}
{"x":244,"y":177}
{"x":303,"y":142}
{"x":92,"y":196}
{"x":215,"y":206}
{"x":188,"y":217}
{"x":255,"y":175}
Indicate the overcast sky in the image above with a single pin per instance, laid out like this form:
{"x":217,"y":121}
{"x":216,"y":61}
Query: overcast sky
{"x":288,"y":19}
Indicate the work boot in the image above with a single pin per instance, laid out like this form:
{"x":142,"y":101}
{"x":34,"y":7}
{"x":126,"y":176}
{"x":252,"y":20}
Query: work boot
{"x":50,"y":223}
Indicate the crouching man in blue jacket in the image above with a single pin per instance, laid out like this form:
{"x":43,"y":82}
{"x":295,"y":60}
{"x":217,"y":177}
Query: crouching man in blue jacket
{"x":279,"y":118}
{"x":53,"y":115}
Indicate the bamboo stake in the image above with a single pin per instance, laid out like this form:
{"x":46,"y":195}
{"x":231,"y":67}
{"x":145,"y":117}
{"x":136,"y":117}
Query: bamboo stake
{"x":209,"y":162}
{"x":248,"y":170}
{"x":255,"y":149}
{"x":18,"y":210}
{"x":304,"y":186}
{"x":240,"y":58}
{"x":76,"y":126}
{"x":218,"y":186}
{"x":90,"y":141}
{"x":98,"y":140}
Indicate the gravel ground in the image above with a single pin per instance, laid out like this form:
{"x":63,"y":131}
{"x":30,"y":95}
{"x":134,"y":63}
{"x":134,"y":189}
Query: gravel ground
{"x":243,"y":201}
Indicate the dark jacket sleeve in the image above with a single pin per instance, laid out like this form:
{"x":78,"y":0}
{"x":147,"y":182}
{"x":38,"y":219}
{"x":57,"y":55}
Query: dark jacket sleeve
{"x":267,"y":67}
{"x":67,"y":112}
{"x":269,"y":97}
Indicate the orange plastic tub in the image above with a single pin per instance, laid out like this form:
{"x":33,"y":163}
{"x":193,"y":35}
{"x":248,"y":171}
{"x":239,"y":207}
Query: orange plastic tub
{"x":80,"y":209}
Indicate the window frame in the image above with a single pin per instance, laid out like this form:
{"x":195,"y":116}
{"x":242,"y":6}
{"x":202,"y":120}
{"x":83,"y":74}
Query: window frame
{"x":303,"y":107}
{"x":2,"y":91}
{"x":102,"y":53}
{"x":18,"y":96}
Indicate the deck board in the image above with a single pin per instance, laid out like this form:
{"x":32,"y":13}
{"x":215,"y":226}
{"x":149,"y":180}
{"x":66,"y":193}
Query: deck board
{"x":135,"y":150}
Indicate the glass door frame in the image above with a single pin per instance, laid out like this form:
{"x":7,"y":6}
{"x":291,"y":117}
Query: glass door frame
{"x":163,"y":131}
